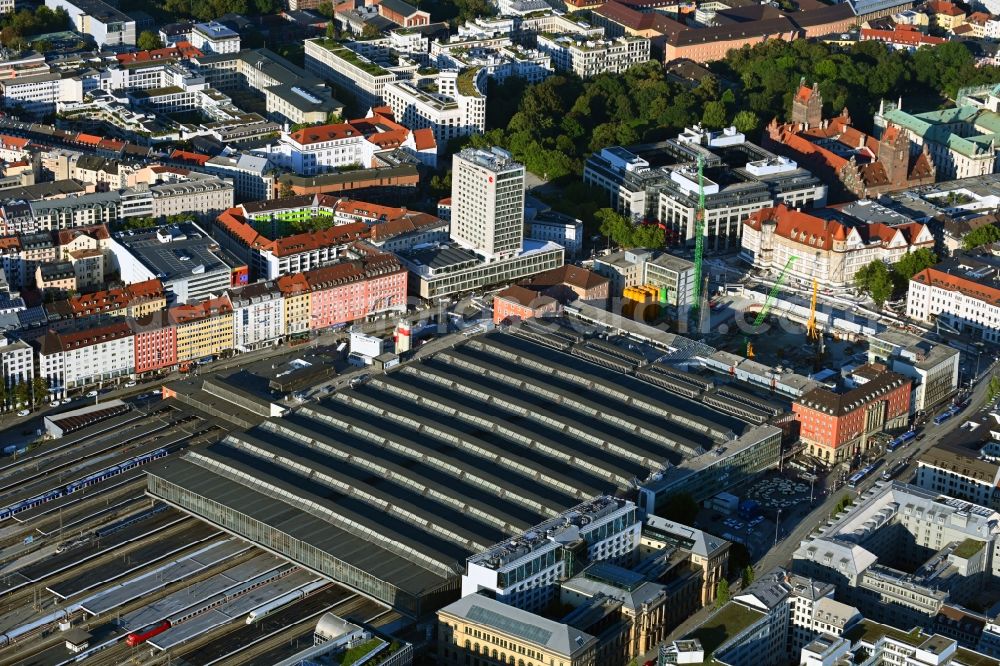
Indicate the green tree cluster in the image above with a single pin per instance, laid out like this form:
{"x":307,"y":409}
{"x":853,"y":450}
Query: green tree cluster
{"x":553,"y":125}
{"x":881,"y":282}
{"x":148,"y":41}
{"x":15,"y":26}
{"x":747,"y":576}
{"x":985,"y":235}
{"x":624,"y":233}
{"x":994,"y":388}
{"x":722,"y":593}
{"x":206,"y":10}
{"x":844,"y":502}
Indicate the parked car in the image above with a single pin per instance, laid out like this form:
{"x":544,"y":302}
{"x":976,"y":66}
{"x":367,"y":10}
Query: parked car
{"x":54,"y":403}
{"x":130,"y":383}
{"x":91,"y":394}
{"x":23,"y":412}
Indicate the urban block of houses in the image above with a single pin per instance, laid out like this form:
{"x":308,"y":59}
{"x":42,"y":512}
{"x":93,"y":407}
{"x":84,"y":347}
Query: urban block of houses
{"x":854,"y":164}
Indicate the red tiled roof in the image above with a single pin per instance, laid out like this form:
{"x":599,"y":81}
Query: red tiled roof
{"x":13,"y":142}
{"x":313,"y":240}
{"x":213,"y":307}
{"x":232,"y":221}
{"x":291,"y":285}
{"x":88,"y":337}
{"x":424,"y":139}
{"x":903,"y":37}
{"x":524,"y":296}
{"x":97,"y":231}
{"x":944,"y":7}
{"x":798,"y":226}
{"x":392,"y":139}
{"x":185,"y":156}
{"x":179,"y":50}
{"x":321,"y":133}
{"x":88,"y":139}
{"x":949,"y":282}
{"x":10,"y":243}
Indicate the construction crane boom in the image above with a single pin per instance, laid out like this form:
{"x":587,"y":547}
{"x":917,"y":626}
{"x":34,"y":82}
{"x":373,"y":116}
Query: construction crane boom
{"x":811,"y":331}
{"x":769,"y":301}
{"x":699,"y":241}
{"x":774,"y":292}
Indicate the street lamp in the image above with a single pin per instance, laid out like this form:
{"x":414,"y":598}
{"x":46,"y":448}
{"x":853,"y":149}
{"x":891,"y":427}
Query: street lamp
{"x":777,"y":521}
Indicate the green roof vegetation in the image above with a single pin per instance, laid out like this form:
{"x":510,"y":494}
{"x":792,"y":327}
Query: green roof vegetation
{"x":869,"y":631}
{"x":729,"y":621}
{"x":360,"y":651}
{"x":466,"y":83}
{"x":968,"y":548}
{"x":347,"y":55}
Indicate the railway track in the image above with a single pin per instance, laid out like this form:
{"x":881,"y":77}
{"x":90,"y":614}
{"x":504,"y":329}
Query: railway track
{"x":120,"y":653}
{"x":35,"y":589}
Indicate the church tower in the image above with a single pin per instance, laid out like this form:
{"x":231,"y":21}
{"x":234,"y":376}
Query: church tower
{"x":807,"y":106}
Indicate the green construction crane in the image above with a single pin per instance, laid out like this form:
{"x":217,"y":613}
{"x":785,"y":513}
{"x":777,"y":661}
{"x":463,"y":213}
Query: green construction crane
{"x":699,"y":243}
{"x":762,"y":315}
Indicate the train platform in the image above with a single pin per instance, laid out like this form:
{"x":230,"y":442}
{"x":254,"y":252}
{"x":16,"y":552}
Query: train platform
{"x":137,"y":559}
{"x":231,"y":611}
{"x":73,"y":557}
{"x":185,"y":567}
{"x":200,"y":592}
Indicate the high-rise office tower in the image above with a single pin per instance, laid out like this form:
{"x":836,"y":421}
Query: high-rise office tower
{"x":487,"y":202}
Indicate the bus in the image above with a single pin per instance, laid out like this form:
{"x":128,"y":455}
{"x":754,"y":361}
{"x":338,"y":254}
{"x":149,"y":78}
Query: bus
{"x":862,"y":474}
{"x":895,"y":471}
{"x":901,"y":440}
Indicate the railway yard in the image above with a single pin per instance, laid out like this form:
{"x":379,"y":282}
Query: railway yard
{"x":81,"y":543}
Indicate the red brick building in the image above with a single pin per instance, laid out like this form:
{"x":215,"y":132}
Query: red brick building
{"x":155,"y":343}
{"x":836,"y":426}
{"x":519,"y":303}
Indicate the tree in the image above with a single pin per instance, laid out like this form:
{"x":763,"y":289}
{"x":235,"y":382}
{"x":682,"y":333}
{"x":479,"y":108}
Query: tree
{"x":746,"y":121}
{"x":680,"y":508}
{"x":3,"y":394}
{"x":985,"y":235}
{"x":914,"y":262}
{"x":370,"y":32}
{"x":285,"y":190}
{"x":994,"y":388}
{"x":748,"y":576}
{"x":22,"y":393}
{"x":722,"y":593}
{"x":148,"y":41}
{"x":39,"y":389}
{"x":844,"y":502}
{"x":876,"y":281}
{"x":714,"y":116}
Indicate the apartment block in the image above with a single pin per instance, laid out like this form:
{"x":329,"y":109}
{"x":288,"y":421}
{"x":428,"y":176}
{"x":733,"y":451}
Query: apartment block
{"x":203,"y":329}
{"x":587,"y":57}
{"x":933,"y":368}
{"x":961,"y":293}
{"x":107,"y":25}
{"x":258,"y":315}
{"x":72,"y":360}
{"x":451,"y":105}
